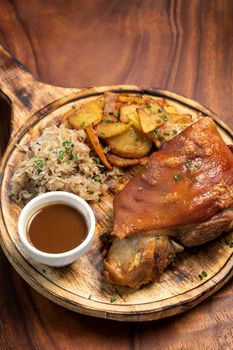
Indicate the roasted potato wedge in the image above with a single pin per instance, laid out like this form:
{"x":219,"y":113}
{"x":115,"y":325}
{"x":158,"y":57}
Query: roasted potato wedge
{"x":170,"y":109}
{"x":96,"y":145}
{"x":174,"y":124}
{"x":130,"y":99}
{"x":125,"y":162}
{"x":130,"y":144}
{"x":67,"y":115}
{"x":90,"y":113}
{"x":124,"y":111}
{"x":128,"y":113}
{"x":150,"y":118}
{"x":106,"y":130}
{"x":185,"y":119}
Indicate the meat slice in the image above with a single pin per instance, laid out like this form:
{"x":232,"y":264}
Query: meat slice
{"x":188,"y":181}
{"x":192,"y":235}
{"x":110,"y":103}
{"x":138,"y":260}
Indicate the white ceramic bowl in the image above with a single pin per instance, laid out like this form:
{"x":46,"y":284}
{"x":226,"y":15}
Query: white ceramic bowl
{"x":61,"y":259}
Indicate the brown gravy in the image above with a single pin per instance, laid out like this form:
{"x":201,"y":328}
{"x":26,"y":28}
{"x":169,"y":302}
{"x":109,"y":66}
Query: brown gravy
{"x":56,"y":228}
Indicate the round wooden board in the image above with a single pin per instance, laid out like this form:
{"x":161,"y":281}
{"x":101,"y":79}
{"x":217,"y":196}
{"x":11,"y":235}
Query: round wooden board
{"x":80,"y":286}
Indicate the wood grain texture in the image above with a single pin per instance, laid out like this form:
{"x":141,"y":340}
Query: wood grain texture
{"x":81,"y":287}
{"x":185,"y":46}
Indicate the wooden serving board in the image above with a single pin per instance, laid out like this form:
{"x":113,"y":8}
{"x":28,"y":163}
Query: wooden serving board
{"x":80,"y":286}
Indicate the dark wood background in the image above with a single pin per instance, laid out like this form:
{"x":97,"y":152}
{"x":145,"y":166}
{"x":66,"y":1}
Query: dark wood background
{"x":185,"y":46}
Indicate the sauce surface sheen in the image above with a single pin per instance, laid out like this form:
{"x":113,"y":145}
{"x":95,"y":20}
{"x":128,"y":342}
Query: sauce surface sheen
{"x":56,"y":228}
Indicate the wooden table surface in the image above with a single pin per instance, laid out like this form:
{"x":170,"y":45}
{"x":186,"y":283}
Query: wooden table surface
{"x":184,"y":46}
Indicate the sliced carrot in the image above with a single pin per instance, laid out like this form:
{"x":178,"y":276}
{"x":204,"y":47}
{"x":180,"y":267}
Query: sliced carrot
{"x":96,"y":145}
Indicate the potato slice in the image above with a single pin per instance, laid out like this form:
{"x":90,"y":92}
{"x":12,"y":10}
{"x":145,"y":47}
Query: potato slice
{"x":174,"y":124}
{"x":97,"y":147}
{"x":135,"y":120}
{"x":185,"y":119}
{"x":124,"y":111}
{"x":130,"y":144}
{"x":90,"y":113}
{"x":128,"y":113}
{"x":125,"y":162}
{"x":170,"y":109}
{"x":106,"y":130}
{"x":150,"y":118}
{"x":131,"y":99}
{"x":67,"y":115}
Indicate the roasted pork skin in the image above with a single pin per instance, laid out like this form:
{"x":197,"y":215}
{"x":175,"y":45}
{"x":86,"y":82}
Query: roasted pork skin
{"x":189,"y":180}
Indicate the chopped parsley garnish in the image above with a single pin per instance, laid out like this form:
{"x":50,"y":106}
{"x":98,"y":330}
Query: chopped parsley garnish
{"x":82,"y":124}
{"x":159,"y":121}
{"x":174,"y":132}
{"x":202,"y":275}
{"x":177,"y":177}
{"x":67,"y":143}
{"x":188,"y":164}
{"x":103,"y":234}
{"x":75,"y":157}
{"x":91,"y":192}
{"x":61,"y":155}
{"x":193,"y":165}
{"x":97,"y":160}
{"x":155,"y":132}
{"x":38,"y":162}
{"x":165,"y":117}
{"x":167,"y":133}
{"x":163,"y":139}
{"x":102,"y":133}
{"x":160,"y":110}
{"x":229,"y":242}
{"x":149,"y":107}
{"x":97,"y":179}
{"x":112,"y":299}
{"x":117,"y":115}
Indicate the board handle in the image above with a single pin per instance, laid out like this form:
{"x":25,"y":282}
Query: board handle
{"x":25,"y":94}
